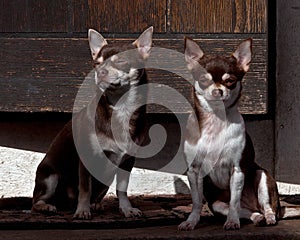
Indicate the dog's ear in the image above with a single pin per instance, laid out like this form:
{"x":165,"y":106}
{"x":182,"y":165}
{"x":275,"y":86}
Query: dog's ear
{"x":243,"y":54}
{"x":96,"y":42}
{"x":144,"y":42}
{"x":192,"y":52}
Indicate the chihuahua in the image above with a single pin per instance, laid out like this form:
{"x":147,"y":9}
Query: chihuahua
{"x":62,"y":178}
{"x":219,"y":153}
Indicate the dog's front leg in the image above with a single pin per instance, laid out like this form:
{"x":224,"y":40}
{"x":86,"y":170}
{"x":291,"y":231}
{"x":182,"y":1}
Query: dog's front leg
{"x":236,"y":188}
{"x":123,"y":175}
{"x":196,"y":184}
{"x":85,"y":189}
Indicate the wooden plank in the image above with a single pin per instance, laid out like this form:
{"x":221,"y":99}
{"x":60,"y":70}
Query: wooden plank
{"x":80,"y":15}
{"x":218,"y":16}
{"x":33,"y":16}
{"x":287,"y":122}
{"x":195,"y":16}
{"x":250,"y":16}
{"x":39,"y":75}
{"x":127,"y":16}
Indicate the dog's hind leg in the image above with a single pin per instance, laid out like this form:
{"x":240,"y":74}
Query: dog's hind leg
{"x":123,"y":175}
{"x":267,"y":196}
{"x":44,"y":190}
{"x":83,"y":210}
{"x":223,"y":208}
{"x":99,"y":191}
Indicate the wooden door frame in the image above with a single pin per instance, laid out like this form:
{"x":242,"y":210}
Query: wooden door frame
{"x":287,"y":118}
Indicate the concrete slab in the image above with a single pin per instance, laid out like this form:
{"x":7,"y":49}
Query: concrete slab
{"x":17,"y":170}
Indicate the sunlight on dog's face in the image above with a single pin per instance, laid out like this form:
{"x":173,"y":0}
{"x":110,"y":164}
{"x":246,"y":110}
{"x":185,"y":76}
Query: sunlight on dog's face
{"x":119,"y":65}
{"x":218,"y":77}
{"x":115,"y":72}
{"x":217,"y":87}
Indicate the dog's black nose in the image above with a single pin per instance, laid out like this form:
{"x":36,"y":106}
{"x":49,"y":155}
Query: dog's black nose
{"x":217,"y":93}
{"x":103,"y":73}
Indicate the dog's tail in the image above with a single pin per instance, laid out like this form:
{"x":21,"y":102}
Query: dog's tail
{"x":290,"y":207}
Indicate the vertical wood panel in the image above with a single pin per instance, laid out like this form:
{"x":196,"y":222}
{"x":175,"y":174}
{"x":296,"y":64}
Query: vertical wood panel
{"x":126,"y":16}
{"x":287,"y":127}
{"x":33,"y":16}
{"x":201,"y":16}
{"x":218,"y":16}
{"x":251,"y":16}
{"x":80,"y":15}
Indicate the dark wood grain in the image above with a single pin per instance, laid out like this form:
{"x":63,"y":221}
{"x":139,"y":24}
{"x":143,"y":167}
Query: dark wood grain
{"x":251,"y":16}
{"x":201,"y":16}
{"x":33,"y":16}
{"x":126,"y":15}
{"x":218,"y":16}
{"x":44,"y":75}
{"x":80,"y":15}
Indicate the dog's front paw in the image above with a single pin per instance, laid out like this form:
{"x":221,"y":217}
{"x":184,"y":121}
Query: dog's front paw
{"x":270,"y":218}
{"x":259,"y":220}
{"x":187,"y":226}
{"x":131,"y":212}
{"x":82,"y":213}
{"x":44,"y":208}
{"x":232,"y":224}
{"x":190,"y":223}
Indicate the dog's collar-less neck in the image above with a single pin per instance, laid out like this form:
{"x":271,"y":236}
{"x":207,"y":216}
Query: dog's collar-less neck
{"x":112,"y":96}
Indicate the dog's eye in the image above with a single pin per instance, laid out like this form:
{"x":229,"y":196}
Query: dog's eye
{"x":205,"y":82}
{"x":229,"y":82}
{"x":121,"y":63}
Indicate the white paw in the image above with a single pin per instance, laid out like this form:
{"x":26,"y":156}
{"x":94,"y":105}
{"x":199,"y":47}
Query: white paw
{"x":51,"y":208}
{"x":187,"y":226}
{"x":232,"y":224}
{"x":83,"y":213}
{"x":259,"y":220}
{"x":44,"y":208}
{"x":270,"y":219}
{"x":190,"y":223}
{"x":131,"y":212}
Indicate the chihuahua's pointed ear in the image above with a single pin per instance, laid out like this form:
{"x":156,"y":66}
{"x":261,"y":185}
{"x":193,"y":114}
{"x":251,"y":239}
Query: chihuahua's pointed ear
{"x":144,"y":42}
{"x":243,"y":54}
{"x":96,"y":42}
{"x":192,"y":52}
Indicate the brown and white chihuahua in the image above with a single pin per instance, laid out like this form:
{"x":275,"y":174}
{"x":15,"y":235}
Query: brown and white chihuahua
{"x":224,"y":172}
{"x":61,"y":177}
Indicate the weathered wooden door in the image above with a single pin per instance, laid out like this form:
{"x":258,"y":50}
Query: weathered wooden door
{"x":44,"y":53}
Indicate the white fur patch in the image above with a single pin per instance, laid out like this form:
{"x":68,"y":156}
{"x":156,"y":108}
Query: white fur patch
{"x":114,"y":58}
{"x":208,"y":76}
{"x":51,"y":183}
{"x":263,"y":189}
{"x":100,"y":60}
{"x":198,"y":89}
{"x":213,"y":87}
{"x":264,"y":200}
{"x":225,"y":76}
{"x":220,"y":145}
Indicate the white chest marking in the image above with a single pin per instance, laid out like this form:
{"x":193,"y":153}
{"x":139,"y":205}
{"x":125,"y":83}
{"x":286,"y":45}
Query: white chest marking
{"x":219,"y":148}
